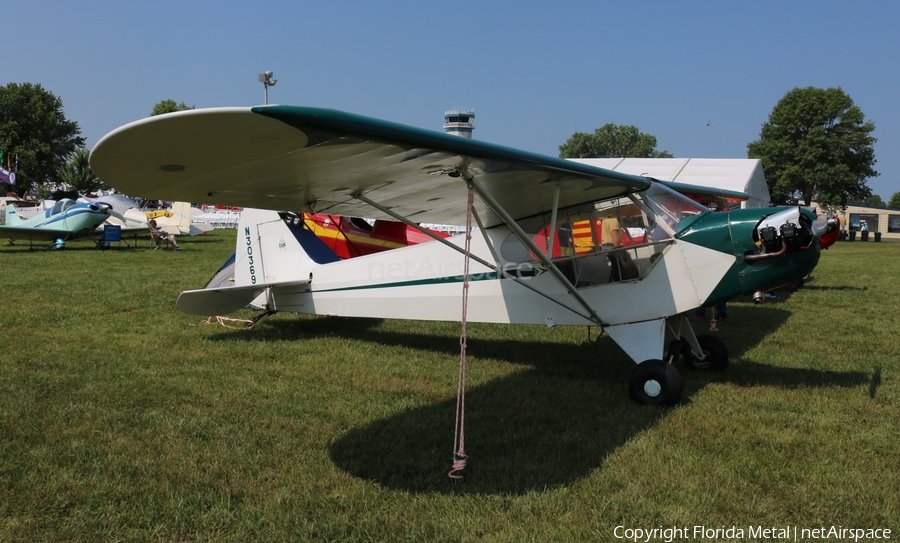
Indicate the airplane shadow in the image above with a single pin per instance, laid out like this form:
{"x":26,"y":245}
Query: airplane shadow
{"x":128,"y":243}
{"x":45,"y":248}
{"x":571,"y":403}
{"x":200,"y":240}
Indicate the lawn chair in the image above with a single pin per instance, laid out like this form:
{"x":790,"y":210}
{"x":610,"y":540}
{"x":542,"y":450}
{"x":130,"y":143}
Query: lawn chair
{"x":157,"y":240}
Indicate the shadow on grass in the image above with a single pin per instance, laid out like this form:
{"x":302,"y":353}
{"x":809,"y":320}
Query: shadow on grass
{"x":202,"y":240}
{"x":544,"y":427}
{"x":44,"y":248}
{"x":526,"y":432}
{"x":87,"y":244}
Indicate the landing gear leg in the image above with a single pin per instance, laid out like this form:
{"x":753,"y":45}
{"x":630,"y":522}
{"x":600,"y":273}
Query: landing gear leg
{"x":700,"y":352}
{"x":713,"y":354}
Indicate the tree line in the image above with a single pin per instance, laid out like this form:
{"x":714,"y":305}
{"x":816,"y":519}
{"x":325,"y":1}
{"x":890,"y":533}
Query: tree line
{"x":815,"y":145}
{"x":43,"y":147}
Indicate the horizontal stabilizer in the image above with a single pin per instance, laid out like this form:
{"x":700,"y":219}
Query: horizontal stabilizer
{"x":225,"y":300}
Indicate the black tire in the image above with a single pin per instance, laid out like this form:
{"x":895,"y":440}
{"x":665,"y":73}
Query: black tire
{"x":677,"y":348}
{"x":653,"y":382}
{"x":715,"y":354}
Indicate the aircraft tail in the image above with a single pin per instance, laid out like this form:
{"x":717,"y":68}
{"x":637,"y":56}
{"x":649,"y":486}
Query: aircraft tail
{"x":270,"y":249}
{"x":181,"y":213}
{"x":272,"y":254}
{"x":12,"y":218}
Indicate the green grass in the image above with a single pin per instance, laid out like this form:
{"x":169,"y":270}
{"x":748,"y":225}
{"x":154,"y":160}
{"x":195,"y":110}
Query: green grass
{"x":124,"y":419}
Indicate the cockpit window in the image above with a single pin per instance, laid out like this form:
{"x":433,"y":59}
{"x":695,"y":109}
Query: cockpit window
{"x":61,"y":206}
{"x":607,"y":241}
{"x":667,"y":209}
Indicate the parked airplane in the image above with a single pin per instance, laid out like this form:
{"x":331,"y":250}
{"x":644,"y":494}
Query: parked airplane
{"x":325,"y":161}
{"x":66,"y":220}
{"x":136,"y":221}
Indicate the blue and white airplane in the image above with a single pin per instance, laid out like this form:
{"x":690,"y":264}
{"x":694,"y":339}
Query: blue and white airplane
{"x":66,"y":220}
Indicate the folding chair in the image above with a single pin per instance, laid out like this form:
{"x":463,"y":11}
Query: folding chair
{"x":157,"y":240}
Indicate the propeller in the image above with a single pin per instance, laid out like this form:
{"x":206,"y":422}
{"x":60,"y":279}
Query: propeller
{"x":104,"y":207}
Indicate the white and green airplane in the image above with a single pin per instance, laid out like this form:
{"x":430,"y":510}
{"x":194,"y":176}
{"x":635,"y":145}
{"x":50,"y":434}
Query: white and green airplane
{"x":66,"y":220}
{"x":539,"y":254}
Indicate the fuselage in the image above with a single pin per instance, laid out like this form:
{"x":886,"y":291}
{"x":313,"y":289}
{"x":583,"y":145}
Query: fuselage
{"x":65,"y":219}
{"x":709,"y":258}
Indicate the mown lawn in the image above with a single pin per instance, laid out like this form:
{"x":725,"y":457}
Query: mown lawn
{"x":124,"y":419}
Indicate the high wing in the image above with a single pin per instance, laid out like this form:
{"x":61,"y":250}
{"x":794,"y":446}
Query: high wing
{"x":320,"y":160}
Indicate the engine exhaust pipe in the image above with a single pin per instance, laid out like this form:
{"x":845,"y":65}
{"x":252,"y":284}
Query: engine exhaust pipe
{"x":753,"y":258}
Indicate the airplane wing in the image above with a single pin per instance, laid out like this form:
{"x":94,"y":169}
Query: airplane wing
{"x":317,"y":160}
{"x":38,"y":234}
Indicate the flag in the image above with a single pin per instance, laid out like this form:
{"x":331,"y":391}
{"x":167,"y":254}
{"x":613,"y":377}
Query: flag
{"x":7,"y":176}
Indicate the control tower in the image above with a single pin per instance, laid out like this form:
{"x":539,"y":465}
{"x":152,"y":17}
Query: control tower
{"x":459,"y":122}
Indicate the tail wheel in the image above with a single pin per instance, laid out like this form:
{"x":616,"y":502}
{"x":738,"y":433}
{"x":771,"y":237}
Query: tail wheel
{"x":715,"y":354}
{"x":653,"y":382}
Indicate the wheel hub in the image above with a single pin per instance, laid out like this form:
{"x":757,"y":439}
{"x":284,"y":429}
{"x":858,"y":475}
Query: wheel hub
{"x":652,"y":388}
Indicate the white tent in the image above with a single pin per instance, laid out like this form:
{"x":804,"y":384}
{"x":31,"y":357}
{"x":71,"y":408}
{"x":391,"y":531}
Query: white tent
{"x":736,"y":174}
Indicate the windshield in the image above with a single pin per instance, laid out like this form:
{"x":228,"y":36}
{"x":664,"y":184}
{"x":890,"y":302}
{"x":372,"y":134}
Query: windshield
{"x":667,"y":209}
{"x":61,"y":206}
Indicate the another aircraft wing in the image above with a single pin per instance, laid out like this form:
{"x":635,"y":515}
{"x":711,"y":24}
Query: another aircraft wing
{"x":35,"y":234}
{"x":317,"y":160}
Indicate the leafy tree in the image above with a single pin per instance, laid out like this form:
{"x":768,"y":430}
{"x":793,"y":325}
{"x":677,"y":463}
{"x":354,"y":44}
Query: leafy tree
{"x":816,"y":145}
{"x":894,"y":202}
{"x":612,"y":141}
{"x":34,"y":128}
{"x":169,"y":106}
{"x":870,"y":200}
{"x":77,"y":174}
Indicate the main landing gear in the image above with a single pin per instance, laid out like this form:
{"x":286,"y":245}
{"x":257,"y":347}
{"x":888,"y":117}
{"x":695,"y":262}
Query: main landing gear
{"x":657,"y":382}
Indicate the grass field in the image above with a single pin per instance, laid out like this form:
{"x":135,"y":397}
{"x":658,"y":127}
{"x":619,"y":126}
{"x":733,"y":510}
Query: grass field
{"x":126,"y":420}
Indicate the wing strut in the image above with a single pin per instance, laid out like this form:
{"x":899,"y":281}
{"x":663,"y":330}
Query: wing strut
{"x":526,"y":240}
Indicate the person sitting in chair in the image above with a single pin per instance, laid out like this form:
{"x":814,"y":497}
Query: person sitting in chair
{"x":159,"y":235}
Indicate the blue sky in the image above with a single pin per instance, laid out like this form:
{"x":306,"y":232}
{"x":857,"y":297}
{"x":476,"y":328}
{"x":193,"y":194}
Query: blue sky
{"x":534,"y":72}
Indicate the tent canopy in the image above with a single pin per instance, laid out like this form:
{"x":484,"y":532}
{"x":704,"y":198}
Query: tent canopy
{"x":736,"y":174}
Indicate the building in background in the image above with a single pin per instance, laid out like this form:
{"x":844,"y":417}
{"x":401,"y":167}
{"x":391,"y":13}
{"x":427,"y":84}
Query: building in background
{"x":459,"y":122}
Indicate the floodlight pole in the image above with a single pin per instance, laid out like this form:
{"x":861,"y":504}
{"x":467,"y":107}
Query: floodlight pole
{"x":266,"y":79}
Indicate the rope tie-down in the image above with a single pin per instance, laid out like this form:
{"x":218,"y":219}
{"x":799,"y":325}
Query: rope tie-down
{"x":459,"y":432}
